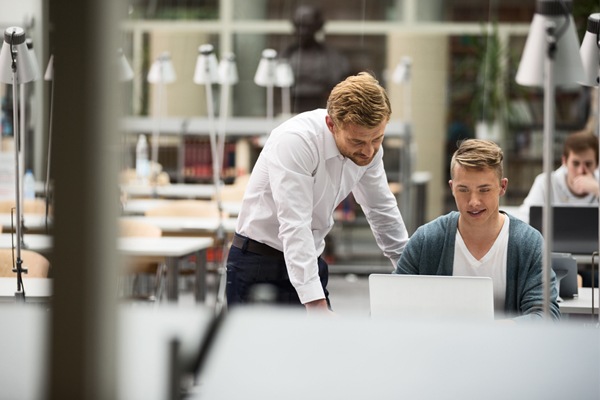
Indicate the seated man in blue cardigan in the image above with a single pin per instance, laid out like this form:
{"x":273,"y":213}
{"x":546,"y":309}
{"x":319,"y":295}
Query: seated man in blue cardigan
{"x":480,"y":240}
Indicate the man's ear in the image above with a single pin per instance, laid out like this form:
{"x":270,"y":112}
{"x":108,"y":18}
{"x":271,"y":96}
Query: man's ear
{"x":450,"y":184}
{"x":329,"y":123}
{"x":503,"y":186}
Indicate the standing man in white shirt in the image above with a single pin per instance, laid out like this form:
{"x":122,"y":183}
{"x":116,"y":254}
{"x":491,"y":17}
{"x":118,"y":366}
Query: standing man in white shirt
{"x":309,"y":164}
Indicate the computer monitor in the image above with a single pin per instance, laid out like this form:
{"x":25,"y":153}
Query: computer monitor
{"x":575,"y":228}
{"x":565,"y":268}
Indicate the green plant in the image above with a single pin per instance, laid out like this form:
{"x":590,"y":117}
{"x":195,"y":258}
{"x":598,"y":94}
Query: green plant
{"x":490,"y":103}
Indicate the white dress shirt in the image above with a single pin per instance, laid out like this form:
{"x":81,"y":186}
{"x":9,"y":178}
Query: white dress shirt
{"x":297,"y":182}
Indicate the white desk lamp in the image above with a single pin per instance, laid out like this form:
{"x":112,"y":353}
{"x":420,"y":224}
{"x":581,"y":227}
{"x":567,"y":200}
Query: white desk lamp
{"x":161,"y":73}
{"x":550,"y":58}
{"x":123,"y":67}
{"x":402,"y":75}
{"x":284,"y":78}
{"x":590,"y":56}
{"x":16,"y":67}
{"x":265,"y":76}
{"x":208,"y":72}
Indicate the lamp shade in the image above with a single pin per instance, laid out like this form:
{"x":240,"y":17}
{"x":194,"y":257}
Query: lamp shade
{"x":49,"y":74}
{"x":568,"y":68}
{"x":402,"y":72}
{"x":124,"y":69}
{"x":590,"y":51}
{"x":15,"y":54}
{"x":284,"y":76}
{"x":228,"y":74}
{"x":161,"y":70}
{"x":207,"y":65}
{"x":265,"y":73}
{"x":34,"y":61}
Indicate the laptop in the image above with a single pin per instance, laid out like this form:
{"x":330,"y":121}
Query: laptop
{"x":575,"y":228}
{"x":431,"y":297}
{"x":565,"y":268}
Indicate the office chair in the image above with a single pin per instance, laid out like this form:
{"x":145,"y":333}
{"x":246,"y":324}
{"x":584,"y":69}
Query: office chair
{"x":234,"y":192}
{"x":36,"y":264}
{"x":141,"y":268}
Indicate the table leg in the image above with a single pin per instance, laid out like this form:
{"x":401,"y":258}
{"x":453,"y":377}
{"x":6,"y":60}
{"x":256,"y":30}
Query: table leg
{"x":172,"y":281}
{"x":200,"y":287}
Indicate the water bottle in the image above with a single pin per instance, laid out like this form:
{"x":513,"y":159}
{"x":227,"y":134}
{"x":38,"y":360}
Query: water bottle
{"x":142,"y":164}
{"x":28,"y":185}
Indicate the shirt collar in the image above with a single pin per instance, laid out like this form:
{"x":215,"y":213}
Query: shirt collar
{"x":330,"y":148}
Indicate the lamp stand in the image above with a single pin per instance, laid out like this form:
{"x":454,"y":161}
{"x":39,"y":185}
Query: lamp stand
{"x":156,"y":137}
{"x":549,"y":120}
{"x":216,"y":161}
{"x":47,"y":183}
{"x":18,"y":268}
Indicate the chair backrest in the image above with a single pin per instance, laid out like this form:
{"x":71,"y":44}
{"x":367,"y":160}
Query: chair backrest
{"x":36,"y":264}
{"x":30,"y":206}
{"x":134,"y":228}
{"x":235,"y":191}
{"x":130,"y":176}
{"x":186,"y":208}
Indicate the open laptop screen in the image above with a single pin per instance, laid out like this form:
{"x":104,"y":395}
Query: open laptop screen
{"x":575,"y":228}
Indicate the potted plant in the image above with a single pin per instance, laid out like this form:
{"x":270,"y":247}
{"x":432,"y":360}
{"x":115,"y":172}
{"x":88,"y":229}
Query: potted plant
{"x":489,"y":105}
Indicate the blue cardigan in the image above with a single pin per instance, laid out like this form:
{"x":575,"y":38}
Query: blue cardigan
{"x":430,"y":251}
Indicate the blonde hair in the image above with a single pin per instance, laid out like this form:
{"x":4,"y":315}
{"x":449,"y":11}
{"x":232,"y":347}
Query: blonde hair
{"x":478,"y":154}
{"x":359,"y":100}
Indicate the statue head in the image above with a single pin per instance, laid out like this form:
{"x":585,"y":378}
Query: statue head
{"x":307,"y":20}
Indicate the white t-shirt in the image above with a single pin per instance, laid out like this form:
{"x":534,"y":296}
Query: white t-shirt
{"x":492,"y":265}
{"x":561,"y":194}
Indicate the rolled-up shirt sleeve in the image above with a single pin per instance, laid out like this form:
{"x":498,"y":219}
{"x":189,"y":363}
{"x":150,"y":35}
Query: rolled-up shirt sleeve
{"x":381,"y":210}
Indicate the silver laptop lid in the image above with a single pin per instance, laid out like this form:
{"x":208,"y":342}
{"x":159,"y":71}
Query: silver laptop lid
{"x":431,"y":297}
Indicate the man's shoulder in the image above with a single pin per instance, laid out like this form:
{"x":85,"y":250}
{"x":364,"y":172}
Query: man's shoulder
{"x":439,"y":225}
{"x":521,"y":230}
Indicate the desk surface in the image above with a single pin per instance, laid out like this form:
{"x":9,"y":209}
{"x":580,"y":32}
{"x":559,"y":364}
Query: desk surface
{"x":187,"y":225}
{"x":36,"y":242}
{"x":581,"y":304}
{"x":31,"y":221}
{"x":163,"y":246}
{"x":36,"y":289}
{"x":175,"y":190}
{"x":140,"y":206}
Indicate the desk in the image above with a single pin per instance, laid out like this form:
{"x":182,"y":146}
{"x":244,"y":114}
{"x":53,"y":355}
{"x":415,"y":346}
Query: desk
{"x":35,"y":242}
{"x":175,"y":190}
{"x":31,"y":222}
{"x":36,"y":289}
{"x":172,"y":249}
{"x":140,"y":206}
{"x":193,"y":226}
{"x":582,"y":304}
{"x":175,"y":250}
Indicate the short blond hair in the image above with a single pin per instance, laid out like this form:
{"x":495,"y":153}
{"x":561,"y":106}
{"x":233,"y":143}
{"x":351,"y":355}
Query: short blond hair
{"x":478,"y":154}
{"x":359,"y":100}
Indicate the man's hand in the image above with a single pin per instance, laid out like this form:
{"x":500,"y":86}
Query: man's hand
{"x":317,"y":306}
{"x":585,"y":184}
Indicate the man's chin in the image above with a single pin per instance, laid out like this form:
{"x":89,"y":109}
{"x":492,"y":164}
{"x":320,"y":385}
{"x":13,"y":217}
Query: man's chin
{"x":361,"y":162}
